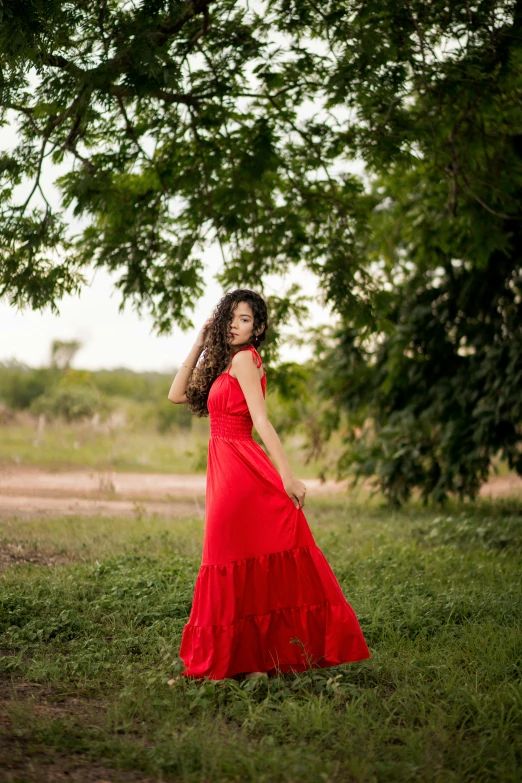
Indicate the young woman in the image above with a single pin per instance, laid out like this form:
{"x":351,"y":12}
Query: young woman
{"x":266,"y":599}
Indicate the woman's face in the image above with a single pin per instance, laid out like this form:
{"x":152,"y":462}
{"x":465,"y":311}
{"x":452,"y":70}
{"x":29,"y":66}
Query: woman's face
{"x":241,"y":326}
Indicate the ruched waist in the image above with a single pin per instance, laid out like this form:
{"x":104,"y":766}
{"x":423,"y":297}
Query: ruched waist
{"x":226,"y":425}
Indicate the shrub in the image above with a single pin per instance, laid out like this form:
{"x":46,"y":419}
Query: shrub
{"x":170,"y":416}
{"x":20,"y":385}
{"x":74,"y":397}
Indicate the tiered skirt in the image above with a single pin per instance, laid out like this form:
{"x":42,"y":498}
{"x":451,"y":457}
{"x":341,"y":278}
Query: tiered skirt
{"x":277,"y":612}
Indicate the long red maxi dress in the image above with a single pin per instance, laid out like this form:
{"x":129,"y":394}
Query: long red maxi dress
{"x":265,"y":598}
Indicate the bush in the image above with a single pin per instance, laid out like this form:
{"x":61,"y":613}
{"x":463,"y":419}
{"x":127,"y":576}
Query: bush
{"x":138,"y":386}
{"x":74,"y":397}
{"x":170,"y":416}
{"x":20,"y":385}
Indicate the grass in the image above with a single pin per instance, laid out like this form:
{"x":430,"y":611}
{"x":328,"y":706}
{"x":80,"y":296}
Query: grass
{"x":62,"y":446}
{"x":437,"y":594}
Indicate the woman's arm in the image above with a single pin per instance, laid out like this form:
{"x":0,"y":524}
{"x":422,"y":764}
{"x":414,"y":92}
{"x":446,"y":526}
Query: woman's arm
{"x":248,"y":376}
{"x":179,"y":384}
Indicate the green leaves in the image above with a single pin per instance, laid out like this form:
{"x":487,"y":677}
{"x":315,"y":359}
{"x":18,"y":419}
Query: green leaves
{"x":30,"y":274}
{"x":174,"y":125}
{"x":442,"y":392}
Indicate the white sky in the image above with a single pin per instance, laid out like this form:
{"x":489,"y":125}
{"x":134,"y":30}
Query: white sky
{"x":123,"y":339}
{"x":111,"y":338}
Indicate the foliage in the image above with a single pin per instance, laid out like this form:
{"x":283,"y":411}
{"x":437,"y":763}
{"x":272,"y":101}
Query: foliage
{"x":77,"y":393}
{"x":63,"y":352}
{"x":20,"y":384}
{"x":168,"y":121}
{"x":139,"y":386}
{"x":179,"y":124}
{"x":440,"y":397}
{"x":426,"y":359}
{"x":73,"y":397}
{"x":172,"y":416}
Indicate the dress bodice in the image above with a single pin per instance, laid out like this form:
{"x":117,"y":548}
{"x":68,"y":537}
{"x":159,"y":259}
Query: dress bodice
{"x":227,"y":406}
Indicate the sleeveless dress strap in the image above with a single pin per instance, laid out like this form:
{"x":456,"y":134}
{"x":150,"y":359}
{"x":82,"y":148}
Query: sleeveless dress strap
{"x":256,"y":357}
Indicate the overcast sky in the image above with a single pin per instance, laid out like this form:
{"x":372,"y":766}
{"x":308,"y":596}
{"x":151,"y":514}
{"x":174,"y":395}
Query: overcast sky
{"x":122,"y":339}
{"x":111,"y":338}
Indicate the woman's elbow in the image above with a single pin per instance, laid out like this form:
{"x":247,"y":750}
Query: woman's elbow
{"x":176,"y":401}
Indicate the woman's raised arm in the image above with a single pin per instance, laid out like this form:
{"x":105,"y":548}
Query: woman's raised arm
{"x":179,"y":384}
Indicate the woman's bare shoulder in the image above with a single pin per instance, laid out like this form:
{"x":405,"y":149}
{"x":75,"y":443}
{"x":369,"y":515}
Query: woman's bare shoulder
{"x":246,"y":357}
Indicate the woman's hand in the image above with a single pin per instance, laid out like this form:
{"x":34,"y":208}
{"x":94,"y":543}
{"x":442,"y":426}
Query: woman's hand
{"x":200,"y":339}
{"x":296,"y":489}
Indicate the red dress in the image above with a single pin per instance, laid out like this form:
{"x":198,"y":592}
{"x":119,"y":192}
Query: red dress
{"x":265,"y":598}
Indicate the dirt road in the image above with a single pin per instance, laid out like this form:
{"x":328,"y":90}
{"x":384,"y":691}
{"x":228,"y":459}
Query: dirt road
{"x":30,"y":491}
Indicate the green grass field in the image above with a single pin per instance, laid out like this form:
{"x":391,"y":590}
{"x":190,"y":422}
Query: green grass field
{"x":88,"y":646}
{"x":66,"y":446}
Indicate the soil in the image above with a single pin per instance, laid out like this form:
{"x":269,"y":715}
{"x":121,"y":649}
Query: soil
{"x":23,"y":758}
{"x":12,"y":554}
{"x":502,"y":487}
{"x":33,"y":492}
{"x":27,"y":491}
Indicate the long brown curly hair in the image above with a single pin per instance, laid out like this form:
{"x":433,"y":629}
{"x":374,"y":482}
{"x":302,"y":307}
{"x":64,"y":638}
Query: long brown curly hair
{"x":217,"y":353}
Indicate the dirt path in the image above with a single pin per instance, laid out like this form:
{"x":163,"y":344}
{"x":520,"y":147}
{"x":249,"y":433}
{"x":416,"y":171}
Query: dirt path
{"x":502,"y":487}
{"x":30,"y":491}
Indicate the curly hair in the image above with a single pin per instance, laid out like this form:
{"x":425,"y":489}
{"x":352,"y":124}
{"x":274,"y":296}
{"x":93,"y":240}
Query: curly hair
{"x":217,"y":353}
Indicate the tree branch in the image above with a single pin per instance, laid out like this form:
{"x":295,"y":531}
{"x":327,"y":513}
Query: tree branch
{"x":167,"y":97}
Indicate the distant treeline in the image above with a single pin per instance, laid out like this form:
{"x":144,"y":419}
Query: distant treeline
{"x":80,"y":394}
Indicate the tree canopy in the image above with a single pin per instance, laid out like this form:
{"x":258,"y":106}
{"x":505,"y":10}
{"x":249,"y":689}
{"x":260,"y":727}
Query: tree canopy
{"x":172,"y":125}
{"x":432,"y":374}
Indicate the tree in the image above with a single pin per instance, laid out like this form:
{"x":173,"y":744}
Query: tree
{"x":427,"y":362}
{"x":181,"y":123}
{"x":171,"y":123}
{"x":63,"y":352}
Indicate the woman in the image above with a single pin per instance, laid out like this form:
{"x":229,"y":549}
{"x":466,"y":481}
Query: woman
{"x":265,"y":599}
